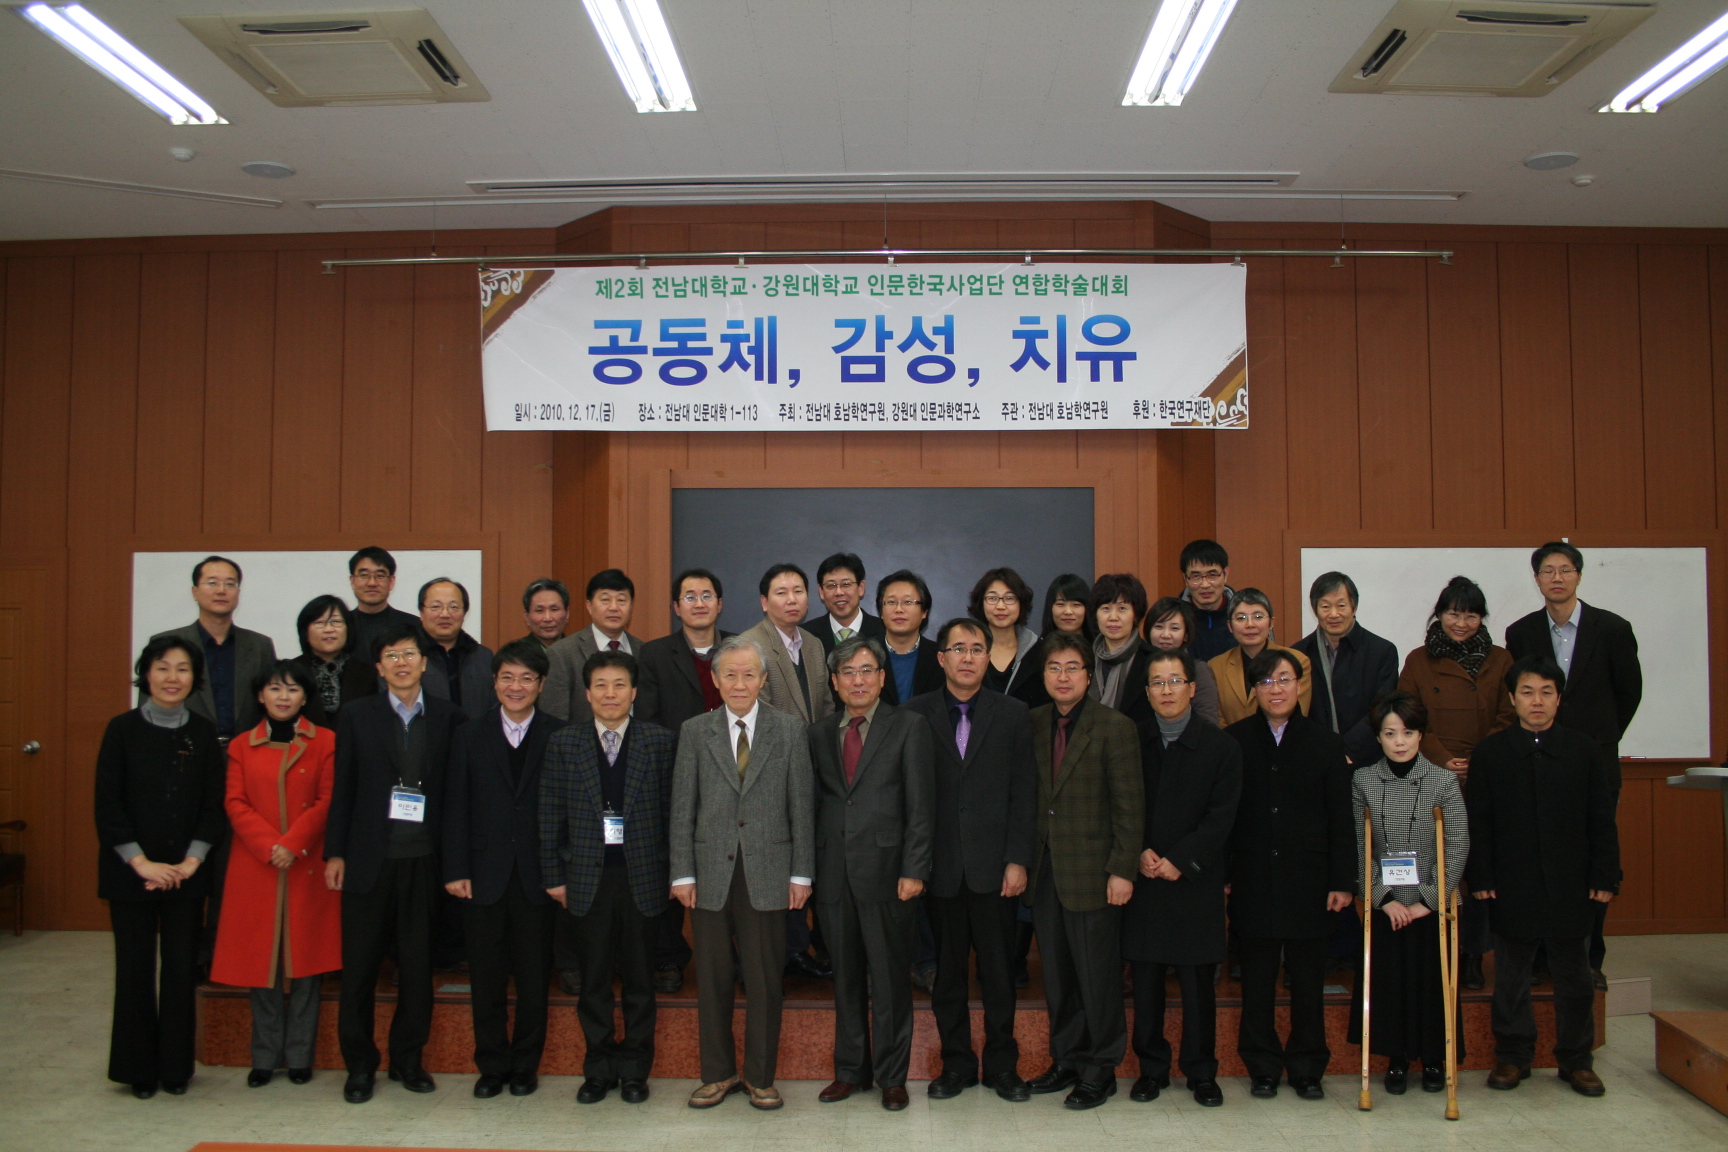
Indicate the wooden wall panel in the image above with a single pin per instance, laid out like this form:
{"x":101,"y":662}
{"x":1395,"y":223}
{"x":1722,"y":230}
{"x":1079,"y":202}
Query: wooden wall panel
{"x":1536,"y":387}
{"x":171,"y":327}
{"x":378,"y":396}
{"x":36,"y":420}
{"x":306,"y":401}
{"x":1052,"y":449}
{"x":1691,"y":881}
{"x":1252,"y":467}
{"x":1321,"y":392}
{"x":1719,"y":372}
{"x":1393,"y":402}
{"x":1678,"y":418}
{"x":239,"y":364}
{"x":1464,"y":388}
{"x":1607,"y":409}
{"x":449,"y":418}
{"x":900,"y":450}
{"x":961,"y":449}
{"x":1637,"y":899}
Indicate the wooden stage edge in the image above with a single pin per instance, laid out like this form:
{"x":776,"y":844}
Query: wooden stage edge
{"x":1692,"y":1051}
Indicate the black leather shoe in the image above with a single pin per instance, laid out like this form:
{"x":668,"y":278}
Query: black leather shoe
{"x":950,"y":1084}
{"x":924,"y":978}
{"x":804,"y":964}
{"x":1146,"y":1088}
{"x":1473,"y":976}
{"x":414,"y":1079}
{"x":1308,"y":1088}
{"x":143,"y":1091}
{"x":259,"y":1077}
{"x":299,"y":1075}
{"x":1397,"y":1080}
{"x":488,"y":1086}
{"x":357,"y":1089}
{"x":1010,"y":1087}
{"x":570,"y":981}
{"x":178,"y":1088}
{"x":1433,"y":1079}
{"x":594,"y":1090}
{"x":669,"y":980}
{"x":1207,"y":1094}
{"x":633,"y":1090}
{"x":524,"y":1083}
{"x":1264,"y":1087}
{"x":1054,"y":1079}
{"x":1087,"y":1094}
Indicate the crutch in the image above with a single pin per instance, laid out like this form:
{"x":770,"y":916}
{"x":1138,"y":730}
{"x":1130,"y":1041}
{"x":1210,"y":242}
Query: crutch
{"x":1364,"y":1100}
{"x":1448,"y":963}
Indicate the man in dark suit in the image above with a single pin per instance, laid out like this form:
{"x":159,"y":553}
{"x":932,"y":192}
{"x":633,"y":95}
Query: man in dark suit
{"x":1598,"y":653}
{"x":903,"y":600}
{"x":1175,"y":921}
{"x":840,"y":583}
{"x":372,"y":578}
{"x":1352,"y":666}
{"x":986,"y":824}
{"x":610,"y":600}
{"x":1090,"y":809}
{"x":875,"y":801}
{"x":1544,"y":855}
{"x":458,"y":667}
{"x":380,"y":847}
{"x":605,"y":796}
{"x":492,"y":864}
{"x":677,"y":684}
{"x":233,"y":656}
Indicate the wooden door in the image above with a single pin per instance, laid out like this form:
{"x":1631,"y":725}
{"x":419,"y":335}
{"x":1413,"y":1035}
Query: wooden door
{"x":27,"y":738}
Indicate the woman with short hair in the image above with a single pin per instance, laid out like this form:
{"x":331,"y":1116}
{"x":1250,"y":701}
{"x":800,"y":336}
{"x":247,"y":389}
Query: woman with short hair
{"x":1118,"y":605}
{"x":1168,"y":625}
{"x":1251,"y":620}
{"x":339,"y":674}
{"x":1002,"y":602}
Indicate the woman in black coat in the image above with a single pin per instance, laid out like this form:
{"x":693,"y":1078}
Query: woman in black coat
{"x":338,"y":671}
{"x":159,"y":789}
{"x":1292,"y":868}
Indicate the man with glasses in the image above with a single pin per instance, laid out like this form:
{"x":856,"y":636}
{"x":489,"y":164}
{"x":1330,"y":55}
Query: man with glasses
{"x":233,"y":656}
{"x":546,"y":611}
{"x":1598,"y":653}
{"x":458,"y":667}
{"x":840,"y":583}
{"x":372,"y":578}
{"x":1292,"y":868}
{"x":903,"y":599}
{"x":611,"y":600}
{"x":1206,"y":572}
{"x":986,"y":822}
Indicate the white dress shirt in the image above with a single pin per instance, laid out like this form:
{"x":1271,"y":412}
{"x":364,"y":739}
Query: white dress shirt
{"x":794,"y":647}
{"x":514,"y":732}
{"x":856,"y":623}
{"x":603,"y":642}
{"x":600,"y":730}
{"x":1564,"y":637}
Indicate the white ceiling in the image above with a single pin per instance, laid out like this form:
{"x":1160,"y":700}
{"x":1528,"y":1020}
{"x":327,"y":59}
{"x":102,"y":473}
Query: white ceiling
{"x":852,"y":86}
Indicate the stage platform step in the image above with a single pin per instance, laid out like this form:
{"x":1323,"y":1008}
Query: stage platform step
{"x":807,"y":1033}
{"x":1692,"y":1051}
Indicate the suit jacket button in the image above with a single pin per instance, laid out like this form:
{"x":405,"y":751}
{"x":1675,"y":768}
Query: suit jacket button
{"x":729,"y":856}
{"x":740,"y":823}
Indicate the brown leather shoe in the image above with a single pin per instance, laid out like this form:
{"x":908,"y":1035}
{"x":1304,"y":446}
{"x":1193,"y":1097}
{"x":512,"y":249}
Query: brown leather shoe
{"x":767,"y":1099}
{"x":836,"y":1092}
{"x":1584,"y":1082}
{"x":1506,"y":1077}
{"x":711,"y":1094}
{"x":894,"y":1099}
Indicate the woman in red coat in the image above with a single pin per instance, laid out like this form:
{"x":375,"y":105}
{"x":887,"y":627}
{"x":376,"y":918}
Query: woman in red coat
{"x":281,"y":927}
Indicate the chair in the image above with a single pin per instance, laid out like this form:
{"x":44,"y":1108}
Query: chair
{"x":12,"y":876}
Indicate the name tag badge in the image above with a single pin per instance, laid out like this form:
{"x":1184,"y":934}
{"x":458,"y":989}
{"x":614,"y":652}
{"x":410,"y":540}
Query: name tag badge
{"x":408,"y":804}
{"x":1398,"y":870}
{"x":612,"y":829}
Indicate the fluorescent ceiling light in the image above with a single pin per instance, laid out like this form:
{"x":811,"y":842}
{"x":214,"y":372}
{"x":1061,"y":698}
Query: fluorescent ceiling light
{"x":640,"y":45}
{"x":86,"y":37}
{"x":1182,"y":36}
{"x":1690,"y":64}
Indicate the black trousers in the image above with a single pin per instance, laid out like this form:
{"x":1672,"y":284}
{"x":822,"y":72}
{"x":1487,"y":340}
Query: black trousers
{"x":671,"y":950}
{"x":1408,"y":1010}
{"x":614,"y":935}
{"x":870,"y":942}
{"x":1199,"y":1053}
{"x":980,"y":923}
{"x":510,"y":937}
{"x":1082,"y":954}
{"x":1574,"y":1001}
{"x":1305,"y":1054}
{"x":760,"y":938}
{"x":155,"y":1011}
{"x":1599,"y":946}
{"x":399,"y":913}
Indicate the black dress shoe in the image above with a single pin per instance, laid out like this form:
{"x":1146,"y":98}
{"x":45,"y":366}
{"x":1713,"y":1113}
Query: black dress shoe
{"x":951,"y":1084}
{"x":570,"y":981}
{"x":524,"y":1083}
{"x":1207,"y":1094}
{"x":594,"y":1090}
{"x":1054,"y":1079}
{"x":414,"y":1079}
{"x":488,"y":1086}
{"x":259,"y":1077}
{"x":178,"y":1088}
{"x":299,"y":1075}
{"x":1397,"y":1080}
{"x":804,"y":964}
{"x":1264,"y":1087}
{"x":669,"y":980}
{"x":357,"y":1089}
{"x":1308,"y":1087}
{"x":1474,"y":979}
{"x":633,"y":1089}
{"x":1146,"y":1088}
{"x":1433,"y":1079}
{"x":143,"y":1091}
{"x":1090,"y":1094}
{"x":1010,"y":1087}
{"x":924,"y":978}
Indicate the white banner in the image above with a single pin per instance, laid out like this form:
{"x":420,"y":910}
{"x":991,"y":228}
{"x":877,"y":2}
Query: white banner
{"x":851,"y":346}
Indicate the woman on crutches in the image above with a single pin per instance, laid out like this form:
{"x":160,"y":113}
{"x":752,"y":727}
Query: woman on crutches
{"x":1398,"y":795}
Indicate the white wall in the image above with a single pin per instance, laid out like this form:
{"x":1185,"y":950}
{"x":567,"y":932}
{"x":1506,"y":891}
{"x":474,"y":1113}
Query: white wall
{"x":1399,"y":587}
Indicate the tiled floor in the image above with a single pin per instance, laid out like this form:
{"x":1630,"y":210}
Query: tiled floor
{"x":54,"y":1020}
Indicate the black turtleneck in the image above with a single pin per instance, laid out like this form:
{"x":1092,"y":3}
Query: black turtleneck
{"x":1400,"y":768}
{"x":282,"y":731}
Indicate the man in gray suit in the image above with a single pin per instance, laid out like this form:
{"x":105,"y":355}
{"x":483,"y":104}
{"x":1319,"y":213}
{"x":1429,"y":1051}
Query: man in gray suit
{"x":797,"y":682}
{"x":876,"y":810}
{"x":742,"y":852}
{"x":611,"y":598}
{"x":232,"y":655}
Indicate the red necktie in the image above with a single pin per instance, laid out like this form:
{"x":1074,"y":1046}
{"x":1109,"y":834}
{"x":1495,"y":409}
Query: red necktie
{"x":613,"y":645}
{"x":1061,"y":748}
{"x":851,"y":748}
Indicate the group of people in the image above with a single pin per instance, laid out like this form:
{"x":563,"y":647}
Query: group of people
{"x":1148,"y":784}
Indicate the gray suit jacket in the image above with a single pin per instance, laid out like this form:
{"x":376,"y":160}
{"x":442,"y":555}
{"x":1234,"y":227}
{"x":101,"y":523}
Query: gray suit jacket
{"x":714,"y":816}
{"x":565,"y":697}
{"x":253,"y":652}
{"x":878,"y":829}
{"x":781,"y":692}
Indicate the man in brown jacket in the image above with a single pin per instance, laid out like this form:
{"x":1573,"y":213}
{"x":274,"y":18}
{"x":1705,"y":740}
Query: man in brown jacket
{"x":1091,"y":809}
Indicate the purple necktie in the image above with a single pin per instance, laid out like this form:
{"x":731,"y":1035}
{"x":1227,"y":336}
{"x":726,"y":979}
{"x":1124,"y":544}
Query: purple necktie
{"x":963,"y":730}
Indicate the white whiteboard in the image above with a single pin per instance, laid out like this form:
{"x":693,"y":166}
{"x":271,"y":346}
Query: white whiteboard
{"x":277,"y":585}
{"x":1399,"y":587}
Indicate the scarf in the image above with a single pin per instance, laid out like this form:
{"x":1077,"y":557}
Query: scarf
{"x":1468,"y":655}
{"x":1169,"y":730}
{"x":1111,"y":671}
{"x":328,"y":676}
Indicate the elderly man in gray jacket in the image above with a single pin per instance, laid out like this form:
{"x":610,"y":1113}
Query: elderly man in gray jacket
{"x":742,"y":852}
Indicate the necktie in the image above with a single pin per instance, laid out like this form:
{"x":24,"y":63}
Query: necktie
{"x":614,"y":645}
{"x":845,"y":634}
{"x":743,"y":750}
{"x":609,"y":743}
{"x":852,"y":748}
{"x":963,"y":730}
{"x":1061,"y":748}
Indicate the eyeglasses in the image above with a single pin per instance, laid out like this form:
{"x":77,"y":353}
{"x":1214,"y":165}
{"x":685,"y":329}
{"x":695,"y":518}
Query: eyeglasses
{"x":1276,"y":682}
{"x":857,"y":673}
{"x":1165,"y":685}
{"x":224,"y":585}
{"x":1550,"y":573}
{"x":1002,"y":599}
{"x":526,"y":679}
{"x":839,"y":585}
{"x":1250,"y":618}
{"x":407,"y":657}
{"x":1208,"y":576}
{"x":898,"y":603}
{"x":1072,"y":669}
{"x":697,"y":598}
{"x":965,"y":649}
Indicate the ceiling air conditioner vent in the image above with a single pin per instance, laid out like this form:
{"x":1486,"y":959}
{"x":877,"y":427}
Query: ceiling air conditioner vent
{"x":1521,"y":48}
{"x":342,"y":59}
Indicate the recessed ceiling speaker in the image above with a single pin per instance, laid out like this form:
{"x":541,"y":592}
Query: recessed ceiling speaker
{"x":1548,"y":161}
{"x":276,"y":170}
